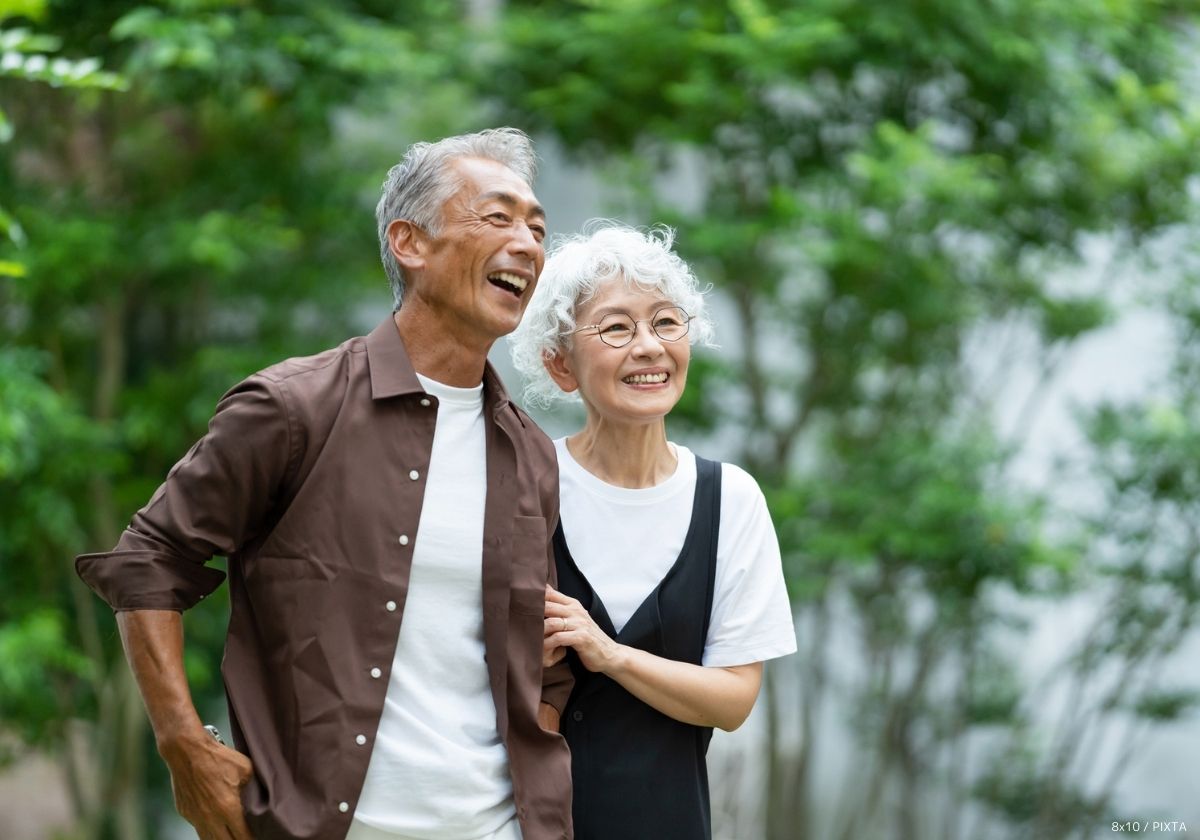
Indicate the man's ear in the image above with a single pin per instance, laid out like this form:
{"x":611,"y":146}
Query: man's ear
{"x":559,"y":368}
{"x":408,"y":244}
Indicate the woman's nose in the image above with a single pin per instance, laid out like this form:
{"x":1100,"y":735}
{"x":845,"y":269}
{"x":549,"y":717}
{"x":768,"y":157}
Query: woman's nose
{"x":645,"y":342}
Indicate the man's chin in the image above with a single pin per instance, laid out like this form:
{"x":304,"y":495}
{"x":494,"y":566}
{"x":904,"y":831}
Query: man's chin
{"x":503,"y":323}
{"x":496,"y":328}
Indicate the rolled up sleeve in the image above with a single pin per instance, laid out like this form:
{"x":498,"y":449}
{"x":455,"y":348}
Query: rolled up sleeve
{"x":213,"y":501}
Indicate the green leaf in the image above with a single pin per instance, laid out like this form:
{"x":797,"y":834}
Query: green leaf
{"x":34,"y":10}
{"x":1168,"y":705}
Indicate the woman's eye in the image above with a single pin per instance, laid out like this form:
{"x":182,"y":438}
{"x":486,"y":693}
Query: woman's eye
{"x":667,"y":321}
{"x":615,"y":329}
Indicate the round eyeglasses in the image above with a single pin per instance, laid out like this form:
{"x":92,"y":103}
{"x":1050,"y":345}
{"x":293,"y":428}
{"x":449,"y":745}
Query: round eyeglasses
{"x":618,"y":328}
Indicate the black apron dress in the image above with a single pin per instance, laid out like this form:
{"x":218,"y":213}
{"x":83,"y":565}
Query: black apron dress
{"x":638,"y":774}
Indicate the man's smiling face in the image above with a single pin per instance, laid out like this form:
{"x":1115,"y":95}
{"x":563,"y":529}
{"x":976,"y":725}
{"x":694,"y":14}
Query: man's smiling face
{"x":482,"y":267}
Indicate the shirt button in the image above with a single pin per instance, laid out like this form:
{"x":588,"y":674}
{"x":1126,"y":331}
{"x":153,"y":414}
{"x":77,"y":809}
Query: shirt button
{"x":360,"y":739}
{"x":391,"y":606}
{"x":404,"y":539}
{"x":425,"y":401}
{"x":577,"y":715}
{"x":414,"y":475}
{"x":343,"y":807}
{"x":376,"y":673}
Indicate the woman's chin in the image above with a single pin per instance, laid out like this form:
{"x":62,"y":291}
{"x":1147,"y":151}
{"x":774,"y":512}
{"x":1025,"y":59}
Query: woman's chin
{"x":643,"y":411}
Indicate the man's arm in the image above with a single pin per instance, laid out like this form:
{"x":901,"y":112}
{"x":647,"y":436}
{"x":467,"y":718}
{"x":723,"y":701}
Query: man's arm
{"x":206,"y":777}
{"x":213,"y":501}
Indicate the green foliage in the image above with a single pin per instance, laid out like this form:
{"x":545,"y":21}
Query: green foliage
{"x":869,"y":186}
{"x":907,"y":504}
{"x":197,"y":209}
{"x":48,"y":450}
{"x":187,"y":197}
{"x":35,"y":654}
{"x":23,"y":57}
{"x":1168,"y":705}
{"x":1016,"y":788}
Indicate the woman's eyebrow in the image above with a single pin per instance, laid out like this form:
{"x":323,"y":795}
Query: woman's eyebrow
{"x":616,"y":310}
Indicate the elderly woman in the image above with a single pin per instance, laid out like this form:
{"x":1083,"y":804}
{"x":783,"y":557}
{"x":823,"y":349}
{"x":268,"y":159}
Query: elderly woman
{"x":672,"y":595}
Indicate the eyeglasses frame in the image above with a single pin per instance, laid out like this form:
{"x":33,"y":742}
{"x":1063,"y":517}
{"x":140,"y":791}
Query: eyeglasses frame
{"x":687,"y":320}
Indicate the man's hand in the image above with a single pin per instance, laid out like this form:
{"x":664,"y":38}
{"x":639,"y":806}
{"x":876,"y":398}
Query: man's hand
{"x":206,"y":777}
{"x":207,"y":780}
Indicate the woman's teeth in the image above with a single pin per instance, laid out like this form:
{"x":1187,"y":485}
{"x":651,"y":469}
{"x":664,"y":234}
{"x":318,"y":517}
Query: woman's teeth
{"x":645,"y":378}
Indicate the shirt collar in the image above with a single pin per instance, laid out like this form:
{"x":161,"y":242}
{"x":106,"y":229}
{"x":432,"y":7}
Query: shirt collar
{"x":392,"y":373}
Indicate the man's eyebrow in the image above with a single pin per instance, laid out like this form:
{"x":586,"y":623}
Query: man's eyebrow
{"x":511,"y":200}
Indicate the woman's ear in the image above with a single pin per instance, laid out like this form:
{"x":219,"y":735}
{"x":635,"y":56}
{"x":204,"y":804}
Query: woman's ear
{"x":559,"y":368}
{"x":407,"y":243}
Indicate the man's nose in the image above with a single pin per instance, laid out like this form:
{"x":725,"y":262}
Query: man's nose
{"x":523,"y":242}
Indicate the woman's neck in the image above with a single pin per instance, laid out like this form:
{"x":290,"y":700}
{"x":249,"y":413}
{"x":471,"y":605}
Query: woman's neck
{"x":631,"y":456}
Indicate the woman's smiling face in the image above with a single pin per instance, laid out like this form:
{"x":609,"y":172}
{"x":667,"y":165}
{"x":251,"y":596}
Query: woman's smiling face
{"x":639,"y":382}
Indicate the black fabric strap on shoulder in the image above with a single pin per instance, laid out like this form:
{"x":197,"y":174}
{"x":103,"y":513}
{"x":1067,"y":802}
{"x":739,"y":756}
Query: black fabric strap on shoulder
{"x":710,"y":472}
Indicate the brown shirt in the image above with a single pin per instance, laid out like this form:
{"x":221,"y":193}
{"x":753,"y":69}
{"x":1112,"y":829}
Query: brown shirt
{"x":310,"y":480}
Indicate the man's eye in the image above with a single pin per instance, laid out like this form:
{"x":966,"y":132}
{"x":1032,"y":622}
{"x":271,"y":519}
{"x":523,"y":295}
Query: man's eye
{"x":499,"y":217}
{"x":538,"y":231}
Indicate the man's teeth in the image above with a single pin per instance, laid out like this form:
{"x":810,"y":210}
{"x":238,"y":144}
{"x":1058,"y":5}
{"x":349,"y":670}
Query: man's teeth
{"x":516,"y":281}
{"x":645,"y":378}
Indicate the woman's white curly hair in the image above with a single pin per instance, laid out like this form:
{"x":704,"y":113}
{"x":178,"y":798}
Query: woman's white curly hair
{"x":580,"y":264}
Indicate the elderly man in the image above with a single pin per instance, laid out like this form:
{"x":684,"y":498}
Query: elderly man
{"x":386,"y":512}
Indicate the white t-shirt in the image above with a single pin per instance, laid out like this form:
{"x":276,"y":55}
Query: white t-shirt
{"x":438,"y":767}
{"x":626,"y":540}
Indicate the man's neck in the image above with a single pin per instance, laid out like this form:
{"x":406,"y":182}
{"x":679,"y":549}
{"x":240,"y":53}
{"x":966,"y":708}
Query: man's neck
{"x":436,"y":352}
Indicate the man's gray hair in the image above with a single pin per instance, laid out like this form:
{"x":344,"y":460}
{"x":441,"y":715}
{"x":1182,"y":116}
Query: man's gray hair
{"x":576,"y":268}
{"x":417,"y":188}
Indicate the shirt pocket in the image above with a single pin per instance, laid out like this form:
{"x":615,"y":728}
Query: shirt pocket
{"x":527,"y":547}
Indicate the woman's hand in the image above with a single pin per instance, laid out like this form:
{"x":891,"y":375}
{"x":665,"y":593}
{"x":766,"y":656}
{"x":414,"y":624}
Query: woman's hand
{"x":552,"y":651}
{"x":713,"y":696}
{"x":569,"y":625}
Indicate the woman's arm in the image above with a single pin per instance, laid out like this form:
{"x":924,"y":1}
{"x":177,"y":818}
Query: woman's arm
{"x":720,"y":697}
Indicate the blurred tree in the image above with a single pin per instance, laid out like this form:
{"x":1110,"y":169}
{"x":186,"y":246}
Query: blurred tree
{"x":162,"y":243}
{"x":871,"y":186}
